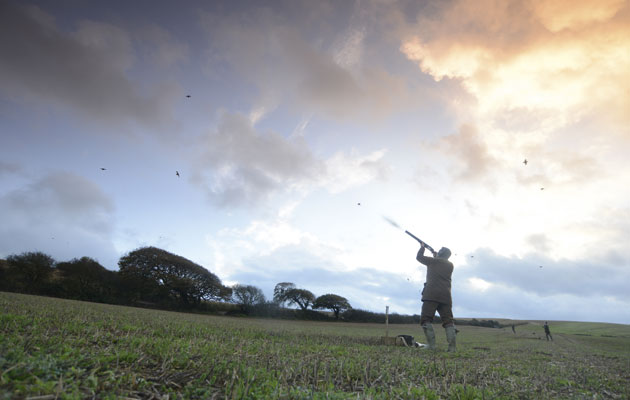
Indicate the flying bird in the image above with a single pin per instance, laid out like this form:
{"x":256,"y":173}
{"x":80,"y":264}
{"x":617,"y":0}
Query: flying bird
{"x":542,"y":188}
{"x":188,"y":96}
{"x":177,"y":173}
{"x":525,"y":161}
{"x":103,"y":169}
{"x":358,"y":204}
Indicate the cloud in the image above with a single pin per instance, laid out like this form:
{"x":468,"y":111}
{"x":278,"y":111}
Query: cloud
{"x":346,"y":171}
{"x":324,"y":73}
{"x":565,"y":14}
{"x":347,"y":51}
{"x":7,"y":168}
{"x":240,"y":166}
{"x":589,"y":287}
{"x":476,"y":156}
{"x":162,"y":47}
{"x":549,"y":83}
{"x":364,"y":288}
{"x":268,"y":252}
{"x":539,"y":242}
{"x":85,"y":70}
{"x":469,"y":150}
{"x":62,"y":214}
{"x":517,"y":304}
{"x":569,"y":57}
{"x":526,"y":291}
{"x":541,"y":276}
{"x":560,"y":169}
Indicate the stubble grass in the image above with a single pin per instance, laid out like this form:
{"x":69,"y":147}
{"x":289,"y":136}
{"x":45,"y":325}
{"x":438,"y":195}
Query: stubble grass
{"x":53,"y":348}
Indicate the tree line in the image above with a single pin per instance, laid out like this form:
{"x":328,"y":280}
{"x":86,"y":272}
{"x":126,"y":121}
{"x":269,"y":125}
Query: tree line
{"x":152,"y":277}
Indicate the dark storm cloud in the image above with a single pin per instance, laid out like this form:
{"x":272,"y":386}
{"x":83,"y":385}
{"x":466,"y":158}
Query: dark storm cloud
{"x":61,"y":214}
{"x":85,"y":69}
{"x":240,"y":166}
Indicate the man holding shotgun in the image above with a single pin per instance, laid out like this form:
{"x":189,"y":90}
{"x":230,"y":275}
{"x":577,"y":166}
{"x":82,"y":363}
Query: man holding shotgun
{"x":436,"y":295}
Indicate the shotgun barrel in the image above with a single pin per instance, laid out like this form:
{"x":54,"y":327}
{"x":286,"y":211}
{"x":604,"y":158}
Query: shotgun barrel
{"x":420,"y":241}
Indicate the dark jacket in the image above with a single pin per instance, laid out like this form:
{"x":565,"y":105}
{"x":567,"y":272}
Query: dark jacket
{"x":438,"y":282}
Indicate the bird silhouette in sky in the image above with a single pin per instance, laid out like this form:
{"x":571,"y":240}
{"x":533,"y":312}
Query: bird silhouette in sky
{"x":103,"y":169}
{"x":177,"y":173}
{"x":358,"y":204}
{"x":525,"y":161}
{"x":542,"y":188}
{"x":188,"y":96}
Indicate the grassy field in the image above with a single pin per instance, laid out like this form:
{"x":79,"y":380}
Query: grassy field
{"x":52,"y":348}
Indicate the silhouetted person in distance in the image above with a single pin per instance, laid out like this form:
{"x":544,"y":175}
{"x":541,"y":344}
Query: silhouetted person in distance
{"x":547,"y":332}
{"x":436,"y":296}
{"x":513,"y":330}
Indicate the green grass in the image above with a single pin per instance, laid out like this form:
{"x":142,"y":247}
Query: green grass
{"x":68,"y":349}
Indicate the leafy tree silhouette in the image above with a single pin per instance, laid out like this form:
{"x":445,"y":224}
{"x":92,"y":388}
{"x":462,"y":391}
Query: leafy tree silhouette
{"x":302,"y":297}
{"x":247,"y":296}
{"x":157,"y":273}
{"x":280,"y":290}
{"x":332,"y":302}
{"x":29,"y":272}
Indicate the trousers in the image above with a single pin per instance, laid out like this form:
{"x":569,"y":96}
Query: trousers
{"x":430,"y":307}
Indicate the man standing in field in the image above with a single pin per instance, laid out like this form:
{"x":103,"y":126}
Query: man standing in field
{"x":547,"y":332}
{"x":436,"y":296}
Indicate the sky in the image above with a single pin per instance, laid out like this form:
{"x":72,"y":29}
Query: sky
{"x":300,"y":128}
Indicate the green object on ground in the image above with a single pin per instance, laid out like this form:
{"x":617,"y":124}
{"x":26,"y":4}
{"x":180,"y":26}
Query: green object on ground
{"x":451,"y":337}
{"x":430,"y":335}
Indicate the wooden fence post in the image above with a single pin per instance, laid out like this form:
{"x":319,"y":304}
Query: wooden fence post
{"x":386,"y":321}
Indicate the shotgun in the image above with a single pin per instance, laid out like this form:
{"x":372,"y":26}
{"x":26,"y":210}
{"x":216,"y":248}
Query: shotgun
{"x":421,"y":242}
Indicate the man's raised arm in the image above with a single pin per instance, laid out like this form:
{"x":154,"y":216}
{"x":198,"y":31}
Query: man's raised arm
{"x":422,"y":258}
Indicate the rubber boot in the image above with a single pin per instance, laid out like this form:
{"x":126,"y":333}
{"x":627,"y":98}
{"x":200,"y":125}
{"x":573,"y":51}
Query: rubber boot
{"x":430,"y":334}
{"x":451,"y":338}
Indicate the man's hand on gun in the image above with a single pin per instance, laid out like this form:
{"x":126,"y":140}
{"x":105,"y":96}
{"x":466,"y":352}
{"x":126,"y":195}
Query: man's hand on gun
{"x":422,"y":247}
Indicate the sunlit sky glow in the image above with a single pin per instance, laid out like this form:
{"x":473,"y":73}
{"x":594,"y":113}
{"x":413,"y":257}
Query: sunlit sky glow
{"x":422,"y":112}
